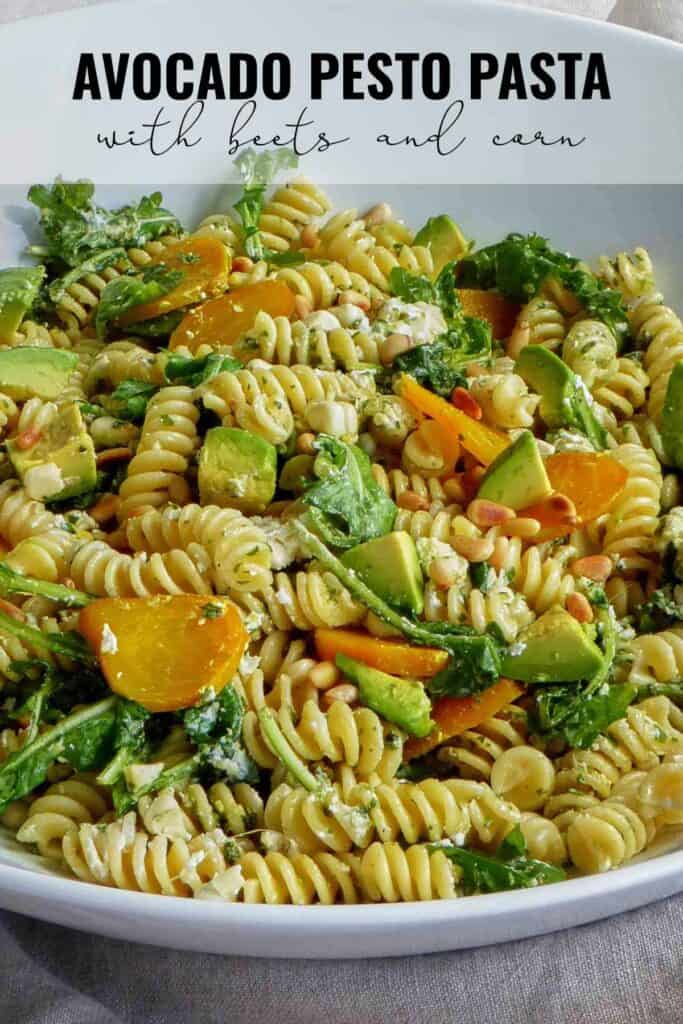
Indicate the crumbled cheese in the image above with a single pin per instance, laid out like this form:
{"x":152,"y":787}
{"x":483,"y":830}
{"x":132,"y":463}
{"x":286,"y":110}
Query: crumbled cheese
{"x":322,"y":319}
{"x":44,"y":480}
{"x":282,"y":539}
{"x":353,"y":317}
{"x":109,"y":643}
{"x":421,"y":321}
{"x":227,"y":885}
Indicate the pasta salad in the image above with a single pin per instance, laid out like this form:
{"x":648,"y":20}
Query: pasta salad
{"x":341,"y":562}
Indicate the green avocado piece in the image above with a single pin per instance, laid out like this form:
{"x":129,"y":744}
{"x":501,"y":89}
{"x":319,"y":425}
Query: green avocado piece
{"x":404,"y":702}
{"x":445,"y":240}
{"x":19,"y":288}
{"x":517,"y":477}
{"x":237,"y":470}
{"x":297,"y":473}
{"x":390,"y":567}
{"x":553,"y":649}
{"x":672,"y":417}
{"x":63,"y":458}
{"x":564,"y":400}
{"x":35,"y":372}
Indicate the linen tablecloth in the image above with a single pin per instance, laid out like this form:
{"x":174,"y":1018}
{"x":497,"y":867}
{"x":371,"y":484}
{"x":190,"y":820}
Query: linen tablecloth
{"x":627,"y":970}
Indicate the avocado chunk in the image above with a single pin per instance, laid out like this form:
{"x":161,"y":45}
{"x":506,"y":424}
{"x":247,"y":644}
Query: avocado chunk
{"x":564,"y":399}
{"x":35,"y":372}
{"x":404,"y":702}
{"x":553,"y":649}
{"x":444,"y":239}
{"x":237,"y":470}
{"x":19,"y":287}
{"x":61,"y":464}
{"x":672,"y":417}
{"x":517,"y":477}
{"x":390,"y":567}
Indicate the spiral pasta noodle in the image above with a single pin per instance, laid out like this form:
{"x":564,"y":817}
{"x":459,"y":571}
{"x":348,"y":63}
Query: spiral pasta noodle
{"x":624,"y":391}
{"x":288,"y":211}
{"x":630,"y":273}
{"x":540,"y":322}
{"x":156,"y":474}
{"x":657,"y":657}
{"x":62,"y":807}
{"x":660,"y":331}
{"x":355,"y":737}
{"x":604,"y":836}
{"x":237,"y":548}
{"x":474,"y":752}
{"x":633,"y":517}
{"x":99,"y":569}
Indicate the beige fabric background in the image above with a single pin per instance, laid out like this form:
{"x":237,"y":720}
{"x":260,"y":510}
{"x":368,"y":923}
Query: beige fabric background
{"x":628,"y":970}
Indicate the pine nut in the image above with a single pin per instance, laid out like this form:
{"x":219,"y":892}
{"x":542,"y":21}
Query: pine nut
{"x":276,"y":508}
{"x":524,"y":528}
{"x":114,"y":455}
{"x":305,"y":443}
{"x":242,"y":265}
{"x":393,"y":345}
{"x":474,"y":549}
{"x":461,"y":527}
{"x":594,"y":567}
{"x":309,"y":237}
{"x":324,"y":675}
{"x":488,"y":513}
{"x":579,"y":607}
{"x":413,"y":502}
{"x":466,"y":402}
{"x":345,"y":692}
{"x":377,"y":215}
{"x":444,"y":571}
{"x":106,"y":508}
{"x":302,"y":307}
{"x":354,"y":298}
{"x":454,"y":489}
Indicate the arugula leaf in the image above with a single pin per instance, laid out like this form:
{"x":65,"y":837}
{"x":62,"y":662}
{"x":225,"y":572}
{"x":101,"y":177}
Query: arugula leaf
{"x":215,"y":727}
{"x":347,"y":505}
{"x":193,"y":372}
{"x":12,"y":582}
{"x":509,"y":868}
{"x":159,"y":326}
{"x":71,"y":645}
{"x":411,"y":287}
{"x":440,"y":364}
{"x":578,"y":717}
{"x":129,"y":400}
{"x":128,"y":291}
{"x":93,"y":265}
{"x":661,"y":610}
{"x":129,"y":739}
{"x":475,"y":659}
{"x":482,"y":576}
{"x":76,"y":228}
{"x":83,"y":738}
{"x":518,"y":266}
{"x":257,"y":171}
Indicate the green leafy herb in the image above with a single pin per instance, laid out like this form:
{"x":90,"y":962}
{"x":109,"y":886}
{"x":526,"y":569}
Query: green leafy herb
{"x":193,"y":372}
{"x":215,"y":727}
{"x":475,"y":659}
{"x":212,"y":611}
{"x":159,"y":326}
{"x":83,"y":739}
{"x":661,"y":610}
{"x":510,"y":868}
{"x":75,"y":228}
{"x":482,"y":576}
{"x":578,"y":716}
{"x":12,"y":582}
{"x":347,"y":505}
{"x":95,"y":264}
{"x":70,"y":645}
{"x":440,"y":365}
{"x":129,"y":400}
{"x":518,"y":266}
{"x":258,"y":171}
{"x":128,"y":291}
{"x":129,"y":739}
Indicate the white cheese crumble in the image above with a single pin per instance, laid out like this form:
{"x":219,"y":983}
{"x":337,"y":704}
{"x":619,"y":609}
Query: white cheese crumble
{"x":108,"y":641}
{"x":44,"y":480}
